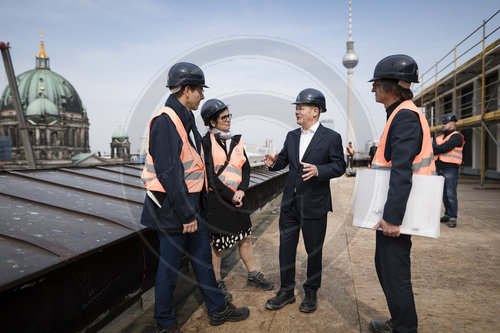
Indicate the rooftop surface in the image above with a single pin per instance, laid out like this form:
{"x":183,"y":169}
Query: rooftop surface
{"x":455,"y":278}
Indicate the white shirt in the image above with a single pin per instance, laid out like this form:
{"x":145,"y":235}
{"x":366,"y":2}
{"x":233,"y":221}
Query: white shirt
{"x":305,"y":139}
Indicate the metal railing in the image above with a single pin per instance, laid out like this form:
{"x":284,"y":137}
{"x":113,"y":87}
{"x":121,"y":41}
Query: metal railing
{"x":461,"y":100}
{"x":470,"y":45}
{"x":465,"y":105}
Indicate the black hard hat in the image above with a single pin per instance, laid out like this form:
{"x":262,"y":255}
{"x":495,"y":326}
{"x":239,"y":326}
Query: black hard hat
{"x":211,"y":107}
{"x":184,"y":73}
{"x":311,"y":96}
{"x":397,"y":67}
{"x":448,"y":117}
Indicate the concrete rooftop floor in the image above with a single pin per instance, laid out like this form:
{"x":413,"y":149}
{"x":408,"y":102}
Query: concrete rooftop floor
{"x":455,"y":278}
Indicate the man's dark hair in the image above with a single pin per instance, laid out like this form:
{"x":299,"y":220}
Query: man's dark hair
{"x":392,"y":86}
{"x":179,"y":93}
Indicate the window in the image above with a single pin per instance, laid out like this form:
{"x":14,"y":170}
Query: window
{"x":448,"y":104}
{"x":491,"y":92}
{"x":466,"y":94}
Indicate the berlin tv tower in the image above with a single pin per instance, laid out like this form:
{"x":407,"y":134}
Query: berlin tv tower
{"x":350,"y":60}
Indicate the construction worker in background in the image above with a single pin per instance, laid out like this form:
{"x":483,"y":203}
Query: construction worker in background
{"x":372,"y":151}
{"x":175,"y":204}
{"x":313,"y":154}
{"x":405,"y":148}
{"x":448,"y":149}
{"x":349,"y":152}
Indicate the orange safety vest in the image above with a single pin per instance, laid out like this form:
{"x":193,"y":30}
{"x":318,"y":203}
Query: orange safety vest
{"x":454,"y":155}
{"x":231,"y":175}
{"x":349,"y":151}
{"x":194,"y":167}
{"x":423,"y":163}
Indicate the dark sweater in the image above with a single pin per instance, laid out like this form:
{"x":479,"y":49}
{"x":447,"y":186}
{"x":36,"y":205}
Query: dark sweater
{"x":165,"y":145}
{"x":404,"y":142}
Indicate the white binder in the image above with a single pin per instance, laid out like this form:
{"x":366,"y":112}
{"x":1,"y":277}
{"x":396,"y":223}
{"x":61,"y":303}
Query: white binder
{"x":423,"y":209}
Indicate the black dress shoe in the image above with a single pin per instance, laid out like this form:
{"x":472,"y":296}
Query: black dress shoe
{"x":444,"y":219}
{"x":380,"y":326}
{"x":280,"y":300}
{"x":452,"y":223}
{"x":228,"y":312}
{"x":310,"y":302}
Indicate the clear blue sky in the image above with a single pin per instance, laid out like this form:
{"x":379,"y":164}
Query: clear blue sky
{"x":110,"y":50}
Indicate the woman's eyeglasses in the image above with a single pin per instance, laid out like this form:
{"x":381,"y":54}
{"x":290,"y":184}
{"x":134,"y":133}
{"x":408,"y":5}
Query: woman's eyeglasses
{"x":226,"y":117}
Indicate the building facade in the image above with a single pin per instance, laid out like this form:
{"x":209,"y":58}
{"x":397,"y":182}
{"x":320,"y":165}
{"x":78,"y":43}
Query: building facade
{"x":466,"y":83}
{"x":56,"y":120}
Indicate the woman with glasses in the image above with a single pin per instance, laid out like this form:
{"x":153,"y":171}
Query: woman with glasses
{"x":228,"y":173}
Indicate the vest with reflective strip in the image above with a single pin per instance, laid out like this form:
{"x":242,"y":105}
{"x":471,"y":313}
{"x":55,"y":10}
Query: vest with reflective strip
{"x":194,"y":168}
{"x":349,"y":150}
{"x":231,"y":176}
{"x":453,"y":156}
{"x":423,"y":163}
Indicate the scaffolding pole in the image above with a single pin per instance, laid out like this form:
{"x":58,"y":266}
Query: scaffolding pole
{"x":483,"y":132}
{"x":16,"y":100}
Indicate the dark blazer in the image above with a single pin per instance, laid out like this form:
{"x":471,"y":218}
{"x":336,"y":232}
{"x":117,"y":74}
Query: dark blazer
{"x":325,"y":151}
{"x":179,"y":206}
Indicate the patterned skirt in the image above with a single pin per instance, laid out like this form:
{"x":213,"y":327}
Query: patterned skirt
{"x":225,"y":241}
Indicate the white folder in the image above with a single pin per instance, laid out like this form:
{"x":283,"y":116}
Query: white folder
{"x":423,"y":209}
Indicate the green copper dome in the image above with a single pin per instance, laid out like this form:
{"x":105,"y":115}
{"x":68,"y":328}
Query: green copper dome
{"x":41,"y":82}
{"x":119,"y":133}
{"x":41,"y":106}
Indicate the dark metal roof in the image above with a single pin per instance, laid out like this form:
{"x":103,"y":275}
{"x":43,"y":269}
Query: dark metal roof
{"x":53,"y":217}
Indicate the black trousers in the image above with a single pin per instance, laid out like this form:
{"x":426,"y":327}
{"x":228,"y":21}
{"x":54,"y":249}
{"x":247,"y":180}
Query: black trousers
{"x":392,"y":261}
{"x":313,"y":232}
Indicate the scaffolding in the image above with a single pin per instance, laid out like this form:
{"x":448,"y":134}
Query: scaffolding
{"x":465,"y":82}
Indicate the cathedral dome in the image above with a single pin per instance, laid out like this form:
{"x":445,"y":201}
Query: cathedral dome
{"x":119,"y":133}
{"x":41,"y":82}
{"x":41,"y":106}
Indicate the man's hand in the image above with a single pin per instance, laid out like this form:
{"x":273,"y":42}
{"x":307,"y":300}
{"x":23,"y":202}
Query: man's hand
{"x":310,"y":171}
{"x":388,"y":229}
{"x":269,"y":159}
{"x":238,"y":197}
{"x":190,"y":227}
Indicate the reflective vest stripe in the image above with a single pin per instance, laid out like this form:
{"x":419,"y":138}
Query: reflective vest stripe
{"x":231,"y":176}
{"x":423,"y":163}
{"x":232,"y":184}
{"x":194,"y":175}
{"x":455,"y":155}
{"x":187,"y":164}
{"x":233,"y":170}
{"x":150,"y":167}
{"x":385,"y":167}
{"x":458,"y":159}
{"x":145,"y":180}
{"x":192,"y":162}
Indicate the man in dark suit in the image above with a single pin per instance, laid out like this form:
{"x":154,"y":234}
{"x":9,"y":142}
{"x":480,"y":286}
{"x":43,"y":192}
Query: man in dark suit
{"x":314,"y":155}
